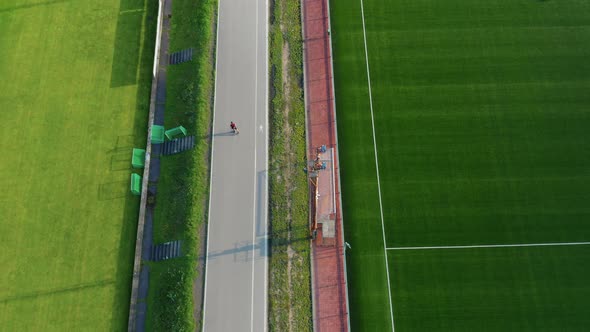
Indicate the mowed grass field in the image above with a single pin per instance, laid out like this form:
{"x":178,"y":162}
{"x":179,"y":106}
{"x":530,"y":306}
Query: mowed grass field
{"x":74,"y":98}
{"x":482,"y":129}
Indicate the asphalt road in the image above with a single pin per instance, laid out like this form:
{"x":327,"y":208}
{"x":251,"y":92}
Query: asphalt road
{"x":237,"y":258}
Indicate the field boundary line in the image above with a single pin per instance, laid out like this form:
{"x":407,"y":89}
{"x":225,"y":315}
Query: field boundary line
{"x":336,"y":158}
{"x":377,"y":166}
{"x":548,"y":244}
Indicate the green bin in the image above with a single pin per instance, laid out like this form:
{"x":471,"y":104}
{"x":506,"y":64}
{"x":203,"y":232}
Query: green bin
{"x":157,"y":134}
{"x":138,"y":158}
{"x":136,"y":184}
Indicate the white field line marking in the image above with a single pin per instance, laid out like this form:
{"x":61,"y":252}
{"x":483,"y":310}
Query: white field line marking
{"x":255,"y":177}
{"x":333,"y":185}
{"x":131,"y":11}
{"x":211,"y":171}
{"x":377,"y":167}
{"x":549,"y":244}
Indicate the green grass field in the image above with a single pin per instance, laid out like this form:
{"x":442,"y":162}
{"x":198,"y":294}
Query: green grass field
{"x":74,"y":97}
{"x":482,"y":117}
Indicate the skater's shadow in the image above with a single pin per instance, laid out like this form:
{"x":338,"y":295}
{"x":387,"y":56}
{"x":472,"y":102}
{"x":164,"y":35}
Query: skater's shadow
{"x":225,"y":133}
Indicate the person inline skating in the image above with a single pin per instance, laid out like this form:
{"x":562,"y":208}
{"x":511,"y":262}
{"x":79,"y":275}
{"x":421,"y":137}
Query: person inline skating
{"x":234,"y":127}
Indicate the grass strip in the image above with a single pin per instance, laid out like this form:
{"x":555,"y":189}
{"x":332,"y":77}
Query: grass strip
{"x":184,"y":181}
{"x":289,"y":284}
{"x":473,"y":288}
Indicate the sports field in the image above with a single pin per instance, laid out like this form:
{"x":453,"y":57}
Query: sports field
{"x":465,"y":163}
{"x":74,"y":96}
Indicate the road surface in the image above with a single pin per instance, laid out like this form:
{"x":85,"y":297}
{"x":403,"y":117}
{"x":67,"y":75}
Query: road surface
{"x":237,"y":258}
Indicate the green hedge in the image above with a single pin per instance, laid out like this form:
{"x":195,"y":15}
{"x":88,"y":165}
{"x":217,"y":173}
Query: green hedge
{"x":180,"y":210}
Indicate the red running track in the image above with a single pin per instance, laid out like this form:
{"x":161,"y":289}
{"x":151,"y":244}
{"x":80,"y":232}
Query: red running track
{"x":328,"y":277}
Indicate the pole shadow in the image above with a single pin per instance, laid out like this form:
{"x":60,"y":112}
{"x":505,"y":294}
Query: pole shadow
{"x":33,"y":5}
{"x":126,"y":49}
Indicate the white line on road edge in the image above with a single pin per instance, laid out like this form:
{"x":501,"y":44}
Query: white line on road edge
{"x":267,"y":11}
{"x":211,"y":170}
{"x":550,"y":244}
{"x":158,"y":36}
{"x":377,"y":167}
{"x":255,"y":177}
